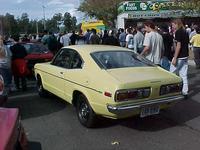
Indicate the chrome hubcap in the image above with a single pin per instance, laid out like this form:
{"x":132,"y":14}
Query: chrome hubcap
{"x":39,"y":87}
{"x":84,"y":111}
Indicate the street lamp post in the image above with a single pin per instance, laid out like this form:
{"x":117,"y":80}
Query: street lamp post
{"x":1,"y":25}
{"x":44,"y":21}
{"x":37,"y":27}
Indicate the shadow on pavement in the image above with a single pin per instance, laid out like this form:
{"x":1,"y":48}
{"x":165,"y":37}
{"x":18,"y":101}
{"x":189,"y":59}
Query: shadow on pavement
{"x":34,"y":145}
{"x":175,"y":116}
{"x":36,"y":106}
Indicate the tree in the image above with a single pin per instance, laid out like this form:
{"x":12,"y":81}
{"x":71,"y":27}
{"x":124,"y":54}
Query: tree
{"x":188,"y":4}
{"x":69,"y":22}
{"x":23,"y":23}
{"x":105,"y":10}
{"x":74,"y":21}
{"x":10,"y":25}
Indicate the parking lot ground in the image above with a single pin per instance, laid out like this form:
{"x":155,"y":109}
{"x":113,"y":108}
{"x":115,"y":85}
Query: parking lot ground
{"x":52,"y":124}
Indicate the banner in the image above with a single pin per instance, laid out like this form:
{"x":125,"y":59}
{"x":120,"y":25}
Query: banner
{"x":129,"y":6}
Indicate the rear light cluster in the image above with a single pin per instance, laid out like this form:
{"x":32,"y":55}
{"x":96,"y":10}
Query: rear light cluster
{"x":171,"y":88}
{"x":132,"y":94}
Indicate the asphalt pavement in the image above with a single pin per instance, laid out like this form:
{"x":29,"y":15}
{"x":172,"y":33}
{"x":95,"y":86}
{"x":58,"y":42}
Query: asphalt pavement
{"x":52,"y":124}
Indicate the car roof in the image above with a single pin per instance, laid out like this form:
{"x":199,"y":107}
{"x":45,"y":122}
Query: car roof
{"x":95,"y":48}
{"x":31,"y":43}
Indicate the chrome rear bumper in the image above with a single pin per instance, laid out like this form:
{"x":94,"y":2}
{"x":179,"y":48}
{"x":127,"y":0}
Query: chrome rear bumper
{"x":136,"y":106}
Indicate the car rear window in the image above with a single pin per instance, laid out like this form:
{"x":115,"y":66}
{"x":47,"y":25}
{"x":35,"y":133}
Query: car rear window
{"x":35,"y":48}
{"x":119,"y":59}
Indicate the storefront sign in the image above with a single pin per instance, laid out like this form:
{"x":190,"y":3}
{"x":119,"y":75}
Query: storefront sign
{"x":156,"y":6}
{"x":148,"y":15}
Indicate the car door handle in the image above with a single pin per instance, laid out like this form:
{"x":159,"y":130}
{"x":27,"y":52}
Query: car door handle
{"x":61,"y":72}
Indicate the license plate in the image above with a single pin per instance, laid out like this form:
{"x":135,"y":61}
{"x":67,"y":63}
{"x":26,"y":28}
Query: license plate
{"x":149,"y":110}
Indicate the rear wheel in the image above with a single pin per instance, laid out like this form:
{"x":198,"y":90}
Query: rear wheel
{"x":41,"y":91}
{"x":85,"y":114}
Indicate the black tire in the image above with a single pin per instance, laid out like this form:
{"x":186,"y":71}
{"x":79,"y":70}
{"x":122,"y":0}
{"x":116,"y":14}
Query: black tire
{"x":86,"y":115}
{"x":41,"y":91}
{"x":18,"y":146}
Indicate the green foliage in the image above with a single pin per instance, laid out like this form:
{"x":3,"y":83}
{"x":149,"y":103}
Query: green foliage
{"x":13,"y":26}
{"x":69,"y":22}
{"x":105,"y":10}
{"x":189,"y":4}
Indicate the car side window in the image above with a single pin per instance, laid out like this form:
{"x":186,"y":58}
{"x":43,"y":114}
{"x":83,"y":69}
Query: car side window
{"x":68,"y":58}
{"x":63,"y":59}
{"x":76,"y":61}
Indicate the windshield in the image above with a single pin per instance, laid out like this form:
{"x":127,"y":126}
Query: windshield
{"x":119,"y":59}
{"x":35,"y":48}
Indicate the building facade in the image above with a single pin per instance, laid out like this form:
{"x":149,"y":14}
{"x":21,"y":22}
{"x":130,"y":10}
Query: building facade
{"x":131,"y":12}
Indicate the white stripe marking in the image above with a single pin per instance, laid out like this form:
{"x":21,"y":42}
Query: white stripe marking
{"x":22,"y":96}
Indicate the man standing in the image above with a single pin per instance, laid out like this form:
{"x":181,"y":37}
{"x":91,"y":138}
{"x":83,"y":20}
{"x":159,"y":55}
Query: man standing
{"x":94,"y":38}
{"x":122,"y":38}
{"x":45,"y":37}
{"x":19,"y":67}
{"x":138,"y":39}
{"x":195,"y":41}
{"x":168,"y":47}
{"x":129,"y":39}
{"x":65,"y":40}
{"x":179,"y":64}
{"x":153,"y":43}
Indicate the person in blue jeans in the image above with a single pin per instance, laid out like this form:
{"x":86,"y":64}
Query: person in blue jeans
{"x":5,"y":65}
{"x":168,"y":47}
{"x":179,"y":64}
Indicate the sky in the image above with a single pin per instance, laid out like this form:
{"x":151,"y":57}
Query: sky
{"x":35,"y":10}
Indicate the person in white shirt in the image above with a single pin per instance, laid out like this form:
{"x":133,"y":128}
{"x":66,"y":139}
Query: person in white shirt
{"x":5,"y":65}
{"x":65,"y":39}
{"x":153,"y":43}
{"x":129,"y":39}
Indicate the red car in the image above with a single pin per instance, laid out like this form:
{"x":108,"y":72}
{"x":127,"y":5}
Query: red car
{"x":37,"y":53}
{"x":3,"y":95}
{"x":12,"y":135}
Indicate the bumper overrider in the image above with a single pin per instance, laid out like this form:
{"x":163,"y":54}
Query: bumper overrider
{"x":136,"y":106}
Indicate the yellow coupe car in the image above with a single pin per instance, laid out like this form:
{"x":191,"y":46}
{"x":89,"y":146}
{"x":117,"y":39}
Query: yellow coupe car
{"x":107,"y":81}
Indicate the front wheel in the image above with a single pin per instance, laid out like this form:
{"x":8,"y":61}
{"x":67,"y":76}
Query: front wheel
{"x":41,"y":91}
{"x":85,"y":114}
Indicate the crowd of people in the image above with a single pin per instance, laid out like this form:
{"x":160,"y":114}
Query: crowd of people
{"x":166,"y":45}
{"x":13,"y":64}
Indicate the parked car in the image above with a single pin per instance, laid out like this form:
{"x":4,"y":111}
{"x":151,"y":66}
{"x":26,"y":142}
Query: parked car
{"x":12,"y":132}
{"x":107,"y":81}
{"x":3,"y":94}
{"x":37,"y":53}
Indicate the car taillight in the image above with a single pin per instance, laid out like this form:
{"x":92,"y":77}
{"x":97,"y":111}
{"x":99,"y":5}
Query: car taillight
{"x":125,"y":95}
{"x":171,"y":88}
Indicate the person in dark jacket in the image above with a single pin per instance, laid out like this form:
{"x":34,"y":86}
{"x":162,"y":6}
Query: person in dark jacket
{"x":111,"y":39}
{"x":168,"y":53}
{"x":19,"y":68}
{"x":105,"y":36}
{"x":52,"y":43}
{"x":94,"y":38}
{"x":73,"y":38}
